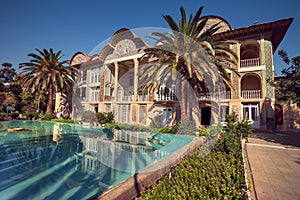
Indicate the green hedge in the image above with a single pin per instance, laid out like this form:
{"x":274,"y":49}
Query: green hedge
{"x":219,"y":175}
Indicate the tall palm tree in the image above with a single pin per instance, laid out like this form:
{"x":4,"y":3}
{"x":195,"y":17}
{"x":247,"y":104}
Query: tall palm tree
{"x":45,"y":72}
{"x":189,"y":50}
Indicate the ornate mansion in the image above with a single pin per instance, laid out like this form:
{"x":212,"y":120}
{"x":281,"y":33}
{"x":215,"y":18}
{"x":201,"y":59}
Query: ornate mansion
{"x":109,"y":81}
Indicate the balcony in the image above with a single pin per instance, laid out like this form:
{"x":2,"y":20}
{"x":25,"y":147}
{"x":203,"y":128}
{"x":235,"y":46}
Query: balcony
{"x":142,"y":97}
{"x":251,"y":94}
{"x":252,"y":62}
{"x":127,"y":98}
{"x":166,"y":97}
{"x":215,"y":96}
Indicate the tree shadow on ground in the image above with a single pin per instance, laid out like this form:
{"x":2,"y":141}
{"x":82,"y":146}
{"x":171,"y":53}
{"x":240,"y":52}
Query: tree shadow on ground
{"x":287,"y":137}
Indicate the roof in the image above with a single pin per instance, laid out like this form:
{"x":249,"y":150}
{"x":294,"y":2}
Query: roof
{"x":272,"y":31}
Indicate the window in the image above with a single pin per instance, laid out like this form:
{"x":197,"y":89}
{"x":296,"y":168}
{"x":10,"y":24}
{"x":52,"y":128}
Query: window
{"x":83,"y":92}
{"x":142,"y":114}
{"x":167,"y":116}
{"x":123,"y":114}
{"x":107,"y":91}
{"x":95,"y":75}
{"x":107,"y":77}
{"x":94,"y":96}
{"x":224,"y":110}
{"x":107,"y":107}
{"x":131,"y":78}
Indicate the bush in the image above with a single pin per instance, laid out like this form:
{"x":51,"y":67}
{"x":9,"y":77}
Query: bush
{"x":240,"y":129}
{"x":88,"y":116}
{"x":183,"y":127}
{"x":48,"y":117}
{"x":219,"y":175}
{"x":32,"y":115}
{"x":112,"y":125}
{"x":67,"y":121}
{"x":165,"y":130}
{"x":104,"y":118}
{"x":203,"y":132}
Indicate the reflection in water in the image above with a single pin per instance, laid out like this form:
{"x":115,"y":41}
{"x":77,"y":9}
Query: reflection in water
{"x":77,"y":163}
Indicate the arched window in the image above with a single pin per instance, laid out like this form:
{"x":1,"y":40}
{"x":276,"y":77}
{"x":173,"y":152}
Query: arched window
{"x":249,"y":54}
{"x":251,"y":86}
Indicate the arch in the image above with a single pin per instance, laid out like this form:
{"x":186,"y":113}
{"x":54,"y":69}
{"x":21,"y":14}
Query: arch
{"x":125,"y":33}
{"x":251,"y":81}
{"x":79,"y":58}
{"x":213,"y":19}
{"x":278,"y":115}
{"x":107,"y":50}
{"x":249,"y":49}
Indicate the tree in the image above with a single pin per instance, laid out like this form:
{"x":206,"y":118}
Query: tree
{"x":45,"y":72}
{"x":288,"y":87}
{"x":7,"y":75}
{"x":189,"y":49}
{"x":9,"y":88}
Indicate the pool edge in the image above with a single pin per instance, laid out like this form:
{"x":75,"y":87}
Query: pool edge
{"x":131,"y":187}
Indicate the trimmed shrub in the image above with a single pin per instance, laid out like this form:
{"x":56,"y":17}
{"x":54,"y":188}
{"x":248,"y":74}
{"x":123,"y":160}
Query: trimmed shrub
{"x":165,"y":130}
{"x":88,"y":116}
{"x":104,"y":118}
{"x":48,"y":117}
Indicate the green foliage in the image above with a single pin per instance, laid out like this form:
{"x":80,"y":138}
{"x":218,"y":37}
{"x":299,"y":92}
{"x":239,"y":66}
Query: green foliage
{"x":183,"y":127}
{"x":219,"y":175}
{"x":240,"y":129}
{"x":288,"y":88}
{"x":31,"y":115}
{"x":45,"y":70}
{"x":135,"y":128}
{"x":244,"y":129}
{"x":203,"y":131}
{"x":104,"y":118}
{"x":89,"y":116}
{"x":48,"y":117}
{"x":112,"y":125}
{"x":165,"y":130}
{"x":67,"y":121}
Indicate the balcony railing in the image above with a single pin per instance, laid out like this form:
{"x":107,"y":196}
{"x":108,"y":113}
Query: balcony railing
{"x":143,"y":97}
{"x":166,"y":97}
{"x":215,"y":96}
{"x":251,"y":94}
{"x":252,"y":62}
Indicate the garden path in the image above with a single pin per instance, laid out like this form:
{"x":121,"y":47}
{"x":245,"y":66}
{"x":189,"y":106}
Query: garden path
{"x":274,"y":165}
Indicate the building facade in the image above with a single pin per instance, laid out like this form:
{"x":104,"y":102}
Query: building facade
{"x":110,"y":81}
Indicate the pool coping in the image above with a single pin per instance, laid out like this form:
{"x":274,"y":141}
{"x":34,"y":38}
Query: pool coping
{"x":131,"y":187}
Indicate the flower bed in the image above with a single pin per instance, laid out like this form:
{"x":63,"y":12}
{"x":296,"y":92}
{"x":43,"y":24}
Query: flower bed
{"x":218,"y":175}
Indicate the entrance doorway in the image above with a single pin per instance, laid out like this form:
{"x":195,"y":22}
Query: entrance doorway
{"x":205,"y":116}
{"x":167,"y":116}
{"x":251,"y":113}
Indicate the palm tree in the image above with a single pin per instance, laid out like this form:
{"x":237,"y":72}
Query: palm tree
{"x":45,"y":72}
{"x":190,"y":51}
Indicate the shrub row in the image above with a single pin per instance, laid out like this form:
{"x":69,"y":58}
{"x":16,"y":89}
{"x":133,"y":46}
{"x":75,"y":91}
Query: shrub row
{"x":218,"y":175}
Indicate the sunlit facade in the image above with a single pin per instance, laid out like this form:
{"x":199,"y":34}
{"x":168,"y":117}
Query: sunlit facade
{"x":109,"y":81}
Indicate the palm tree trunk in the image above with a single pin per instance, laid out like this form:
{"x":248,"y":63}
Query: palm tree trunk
{"x":184,"y":103}
{"x":50,"y":101}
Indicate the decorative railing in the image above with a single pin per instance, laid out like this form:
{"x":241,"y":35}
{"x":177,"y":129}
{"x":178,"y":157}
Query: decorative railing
{"x":252,"y":62}
{"x":142,"y":97}
{"x":251,"y":94}
{"x":215,"y":96}
{"x":125,"y":98}
{"x":166,"y":97}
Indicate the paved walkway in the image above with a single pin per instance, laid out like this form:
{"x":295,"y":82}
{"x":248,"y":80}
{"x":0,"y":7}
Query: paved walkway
{"x":274,"y":160}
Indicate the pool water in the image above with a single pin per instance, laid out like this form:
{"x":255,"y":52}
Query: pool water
{"x":50,"y":160}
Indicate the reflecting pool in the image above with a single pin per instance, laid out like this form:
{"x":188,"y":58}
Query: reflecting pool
{"x":47,"y":160}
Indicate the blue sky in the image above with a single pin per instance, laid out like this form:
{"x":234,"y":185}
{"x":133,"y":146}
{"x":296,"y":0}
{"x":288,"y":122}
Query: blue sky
{"x":73,"y":26}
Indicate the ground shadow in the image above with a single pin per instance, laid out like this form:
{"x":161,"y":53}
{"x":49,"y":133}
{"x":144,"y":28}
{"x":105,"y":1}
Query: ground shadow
{"x":287,"y":137}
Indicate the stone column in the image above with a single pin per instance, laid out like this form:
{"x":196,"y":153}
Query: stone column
{"x":136,"y":80}
{"x":116,"y":81}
